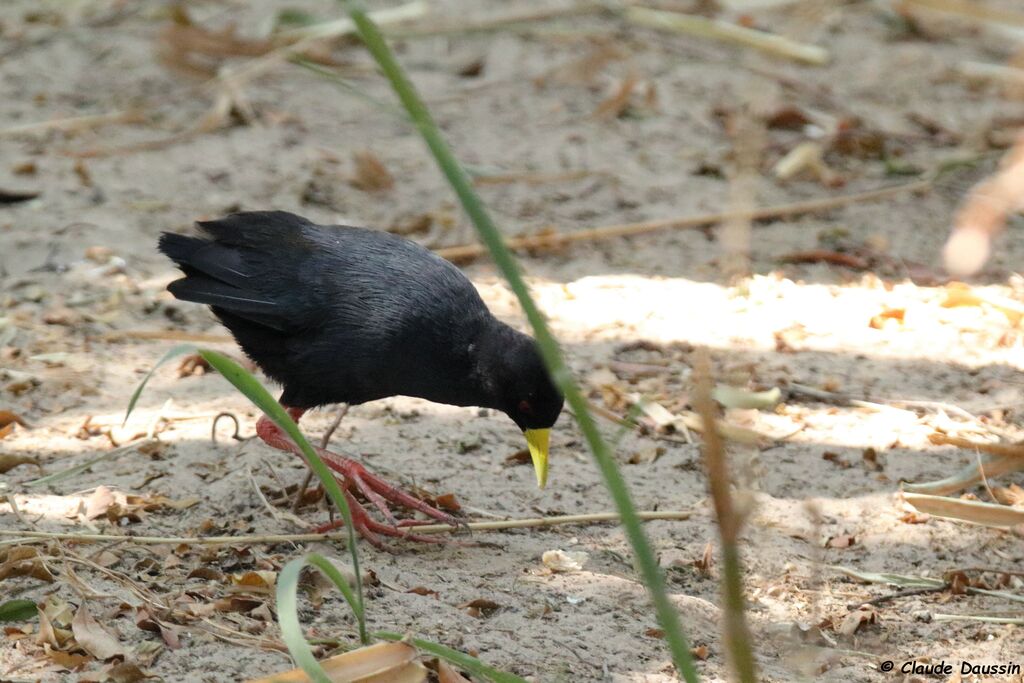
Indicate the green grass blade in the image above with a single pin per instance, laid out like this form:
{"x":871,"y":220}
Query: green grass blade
{"x":288,"y":610}
{"x":174,"y":352}
{"x":459,"y":659}
{"x":491,"y":237}
{"x":17,"y":610}
{"x":261,"y":398}
{"x":288,"y":619}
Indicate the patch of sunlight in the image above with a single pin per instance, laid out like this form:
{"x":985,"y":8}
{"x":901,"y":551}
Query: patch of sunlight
{"x":766,"y":312}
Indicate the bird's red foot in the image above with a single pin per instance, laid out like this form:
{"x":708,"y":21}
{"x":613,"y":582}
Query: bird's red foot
{"x":355,"y":477}
{"x":371,"y":529}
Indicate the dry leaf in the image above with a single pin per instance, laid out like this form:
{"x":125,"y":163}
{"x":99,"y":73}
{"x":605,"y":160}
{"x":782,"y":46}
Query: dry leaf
{"x":423,"y":590}
{"x":654,"y":633}
{"x":701,"y":652}
{"x":122,"y":672}
{"x":101,"y":500}
{"x":788,"y":118}
{"x":447,"y":501}
{"x":371,"y":174}
{"x":706,"y":561}
{"x":841,"y":541}
{"x":383,"y":659}
{"x":255,"y":581}
{"x":617,"y":102}
{"x":878,"y":322}
{"x":93,"y":638}
{"x":646,"y":456}
{"x":859,"y":617}
{"x":446,"y":674}
{"x":67,"y":660}
{"x":8,"y":461}
{"x":24,"y":561}
{"x":481,"y":608}
{"x":563,"y":561}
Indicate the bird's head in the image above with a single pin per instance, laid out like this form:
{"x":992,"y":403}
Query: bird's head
{"x":530,"y":398}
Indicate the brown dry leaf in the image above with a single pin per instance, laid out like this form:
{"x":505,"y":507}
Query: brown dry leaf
{"x":371,"y":174}
{"x":706,"y":561}
{"x":24,"y":561}
{"x":207,"y":574}
{"x":878,"y":322}
{"x":55,"y":618}
{"x":8,"y":418}
{"x":67,"y":660}
{"x":93,"y":638}
{"x":520,"y":457}
{"x":194,"y":364}
{"x":101,"y":500}
{"x":583,"y":70}
{"x":383,"y":662}
{"x":447,"y":501}
{"x":958,"y":582}
{"x":613,"y":106}
{"x":646,"y":456}
{"x":122,"y":672}
{"x":563,"y":561}
{"x":842,"y":541}
{"x":423,"y":590}
{"x":854,"y":139}
{"x":237,"y":603}
{"x":654,"y":633}
{"x":8,"y":461}
{"x":830,"y":256}
{"x":701,"y":652}
{"x":836,"y":459}
{"x":481,"y":608}
{"x":960,"y":294}
{"x":447,"y":674}
{"x":788,"y":118}
{"x":859,"y":617}
{"x":915,"y":517}
{"x":255,"y":581}
{"x":1009,"y":495}
{"x":145,"y":620}
{"x":198,"y":51}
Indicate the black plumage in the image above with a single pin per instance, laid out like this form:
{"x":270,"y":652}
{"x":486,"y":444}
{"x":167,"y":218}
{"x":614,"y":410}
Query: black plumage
{"x":339,"y":314}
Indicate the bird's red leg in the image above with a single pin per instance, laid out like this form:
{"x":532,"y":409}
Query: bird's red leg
{"x":376,"y":490}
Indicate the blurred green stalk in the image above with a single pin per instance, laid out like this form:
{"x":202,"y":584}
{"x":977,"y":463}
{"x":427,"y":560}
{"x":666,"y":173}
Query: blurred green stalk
{"x":491,"y":237}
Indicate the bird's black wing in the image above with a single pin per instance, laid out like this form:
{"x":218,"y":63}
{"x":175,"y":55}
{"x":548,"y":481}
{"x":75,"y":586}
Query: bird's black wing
{"x":240,"y":271}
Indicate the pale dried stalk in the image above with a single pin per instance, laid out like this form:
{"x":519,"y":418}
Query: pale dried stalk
{"x":730,"y":522}
{"x":306,"y":538}
{"x":971,"y":10}
{"x":983,"y":215}
{"x":555,"y":240}
{"x":725,"y":31}
{"x":976,"y":512}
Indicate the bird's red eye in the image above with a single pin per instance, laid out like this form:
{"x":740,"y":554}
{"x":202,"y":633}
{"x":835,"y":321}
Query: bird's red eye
{"x":525,"y":407}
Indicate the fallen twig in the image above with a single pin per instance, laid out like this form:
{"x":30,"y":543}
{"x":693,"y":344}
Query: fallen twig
{"x":534,"y":522}
{"x":555,"y":240}
{"x":722,"y":30}
{"x":972,"y":10}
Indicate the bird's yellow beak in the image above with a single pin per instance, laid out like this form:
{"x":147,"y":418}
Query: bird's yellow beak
{"x":537,"y":440}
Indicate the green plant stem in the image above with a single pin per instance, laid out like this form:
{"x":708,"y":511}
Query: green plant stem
{"x":489,"y":234}
{"x":255,"y":392}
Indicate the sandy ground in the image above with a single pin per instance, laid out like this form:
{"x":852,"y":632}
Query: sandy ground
{"x":80,"y":274}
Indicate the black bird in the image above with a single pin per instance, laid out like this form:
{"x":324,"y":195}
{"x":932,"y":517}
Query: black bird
{"x":339,"y":314}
